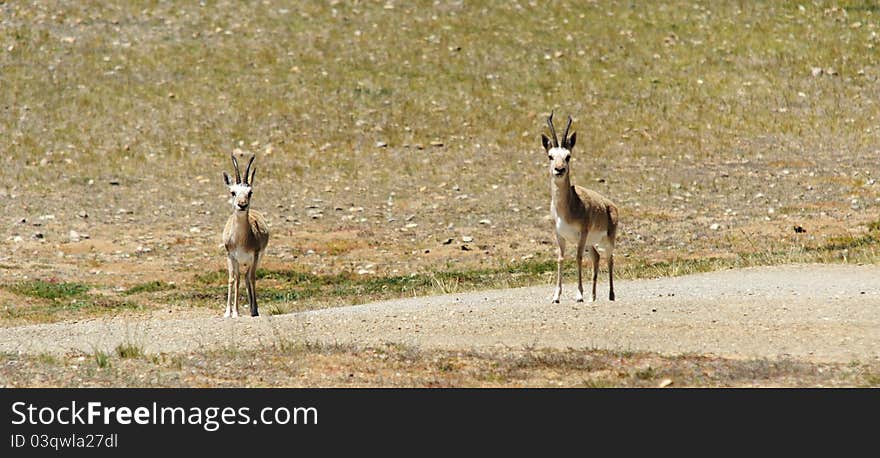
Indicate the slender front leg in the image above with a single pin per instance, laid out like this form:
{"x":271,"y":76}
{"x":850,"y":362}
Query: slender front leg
{"x":229,"y":290}
{"x":560,"y":242}
{"x":580,"y":257}
{"x":252,"y":289}
{"x":611,"y":275}
{"x":237,"y":284}
{"x":594,"y":256}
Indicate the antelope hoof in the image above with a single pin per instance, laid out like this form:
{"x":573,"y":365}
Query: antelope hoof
{"x":611,"y":297}
{"x":226,"y":315}
{"x":580,"y":298}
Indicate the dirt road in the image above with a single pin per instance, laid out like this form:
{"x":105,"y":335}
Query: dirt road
{"x":822,"y":313}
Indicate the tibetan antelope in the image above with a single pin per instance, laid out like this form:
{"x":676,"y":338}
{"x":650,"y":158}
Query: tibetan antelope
{"x":580,"y":215}
{"x":245,"y":236}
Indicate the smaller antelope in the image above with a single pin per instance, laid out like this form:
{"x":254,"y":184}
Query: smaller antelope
{"x":245,"y":236}
{"x":581,"y":216}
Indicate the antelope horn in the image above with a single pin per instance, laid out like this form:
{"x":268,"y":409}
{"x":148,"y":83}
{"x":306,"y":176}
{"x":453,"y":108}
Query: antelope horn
{"x":565,"y":135}
{"x":235,"y":165}
{"x":553,"y":130}
{"x":247,"y":171}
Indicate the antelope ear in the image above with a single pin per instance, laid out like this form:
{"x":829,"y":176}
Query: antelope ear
{"x":226,"y":179}
{"x":571,"y":140}
{"x":545,"y":140}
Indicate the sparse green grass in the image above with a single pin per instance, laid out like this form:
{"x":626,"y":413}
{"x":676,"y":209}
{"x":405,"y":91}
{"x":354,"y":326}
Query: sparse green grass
{"x":646,"y":374}
{"x":129,"y":350}
{"x":286,"y":363}
{"x":50,"y":312}
{"x":149,"y":287}
{"x":102,"y":359}
{"x":50,"y":301}
{"x":49,"y":289}
{"x":47,"y":358}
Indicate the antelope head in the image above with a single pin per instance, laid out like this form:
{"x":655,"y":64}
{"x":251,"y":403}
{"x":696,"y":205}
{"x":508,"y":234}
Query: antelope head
{"x":559,"y":155}
{"x":241,"y":190}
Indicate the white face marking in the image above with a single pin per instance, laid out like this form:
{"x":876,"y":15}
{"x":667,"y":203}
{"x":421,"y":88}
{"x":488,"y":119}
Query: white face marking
{"x":240,"y":195}
{"x":559,"y":159}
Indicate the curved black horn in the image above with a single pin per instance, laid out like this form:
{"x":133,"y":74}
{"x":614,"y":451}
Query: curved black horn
{"x":565,"y":135}
{"x":553,"y":130}
{"x":235,"y":166}
{"x":247,"y":171}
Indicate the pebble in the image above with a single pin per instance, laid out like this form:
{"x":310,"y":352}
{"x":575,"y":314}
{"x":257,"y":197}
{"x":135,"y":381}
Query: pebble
{"x":467,"y":239}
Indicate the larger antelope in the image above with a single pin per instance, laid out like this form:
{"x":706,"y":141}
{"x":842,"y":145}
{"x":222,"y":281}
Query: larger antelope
{"x":580,"y":215}
{"x":245,"y":236}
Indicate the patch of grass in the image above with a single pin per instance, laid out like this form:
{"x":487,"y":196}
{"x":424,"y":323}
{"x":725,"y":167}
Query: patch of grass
{"x":598,"y":383}
{"x":293,"y":363}
{"x":47,"y":358}
{"x":646,"y":374}
{"x":149,"y":287}
{"x":102,"y":359}
{"x":49,"y":289}
{"x":276,"y":309}
{"x":849,"y":242}
{"x":129,"y":350}
{"x":54,"y":310}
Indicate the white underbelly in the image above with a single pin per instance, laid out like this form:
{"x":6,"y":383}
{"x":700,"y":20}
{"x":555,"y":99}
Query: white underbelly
{"x":242,"y":256}
{"x":572,"y":234}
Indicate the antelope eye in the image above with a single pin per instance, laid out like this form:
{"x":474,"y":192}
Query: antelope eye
{"x":567,"y":158}
{"x":550,"y":156}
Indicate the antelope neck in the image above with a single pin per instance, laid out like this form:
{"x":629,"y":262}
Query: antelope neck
{"x":561,"y":189}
